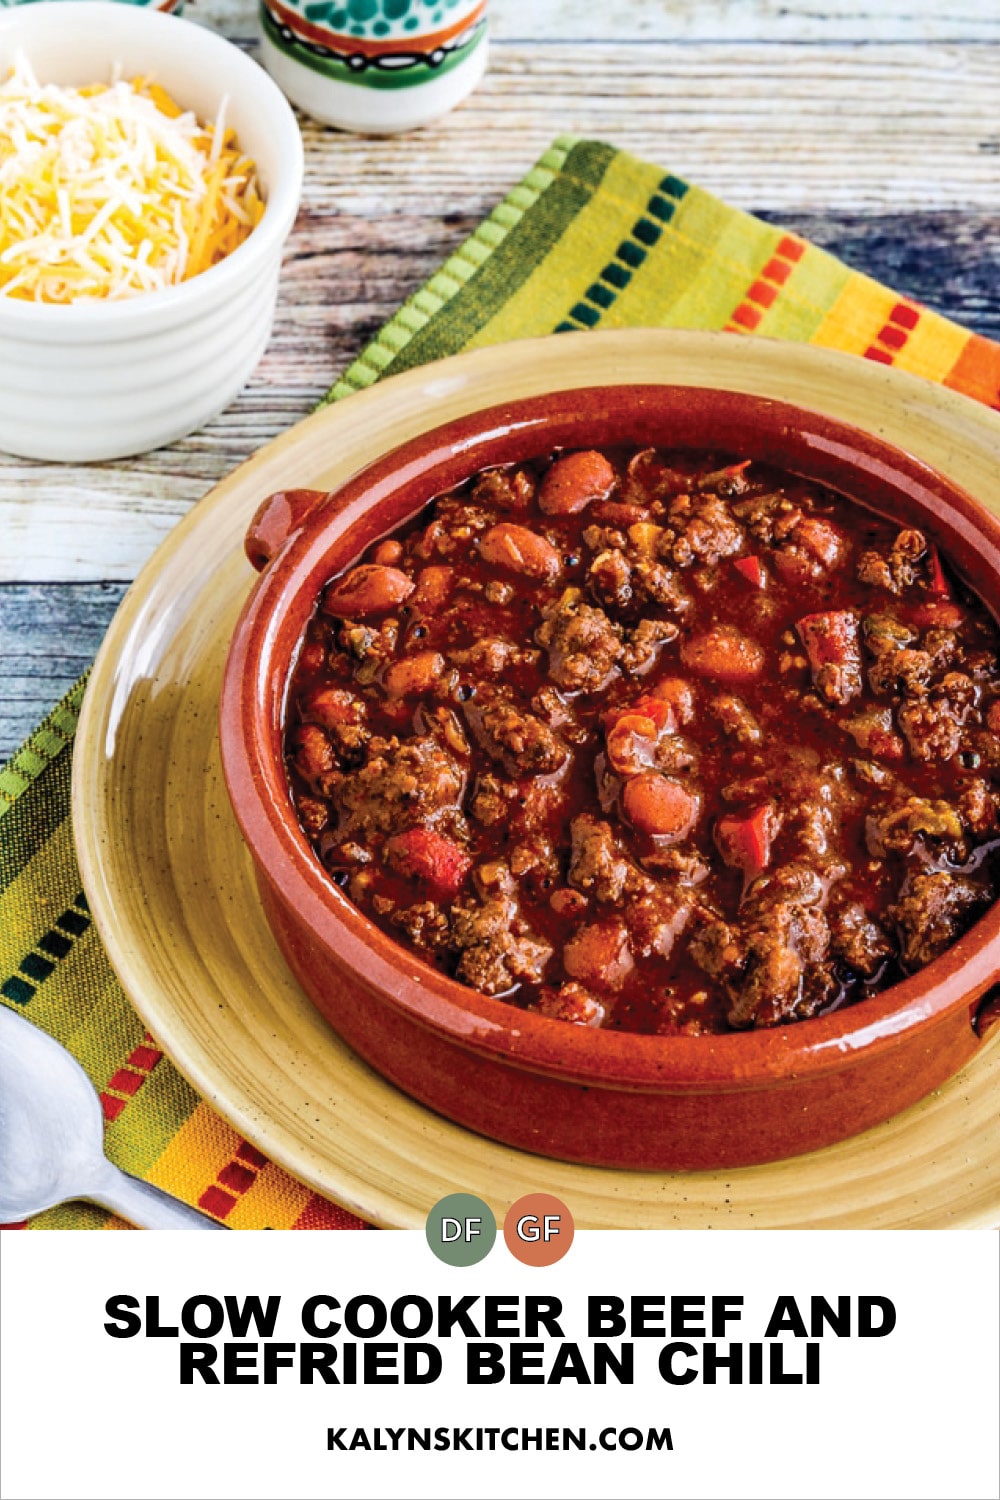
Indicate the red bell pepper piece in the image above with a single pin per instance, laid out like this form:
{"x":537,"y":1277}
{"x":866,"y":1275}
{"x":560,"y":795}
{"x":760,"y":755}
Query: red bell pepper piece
{"x":745,"y":842}
{"x":937,"y":583}
{"x":753,"y":571}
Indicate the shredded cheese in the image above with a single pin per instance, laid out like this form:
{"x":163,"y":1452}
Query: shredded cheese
{"x":112,"y":190}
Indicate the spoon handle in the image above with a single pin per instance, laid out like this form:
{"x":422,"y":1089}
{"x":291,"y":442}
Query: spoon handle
{"x":145,"y":1205}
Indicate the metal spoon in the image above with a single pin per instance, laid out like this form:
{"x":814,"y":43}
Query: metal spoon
{"x":52,"y":1138}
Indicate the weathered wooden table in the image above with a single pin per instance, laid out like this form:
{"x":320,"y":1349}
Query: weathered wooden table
{"x":870,"y":126}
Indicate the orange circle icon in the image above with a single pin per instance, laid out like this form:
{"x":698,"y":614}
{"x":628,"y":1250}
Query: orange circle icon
{"x":538,"y":1229}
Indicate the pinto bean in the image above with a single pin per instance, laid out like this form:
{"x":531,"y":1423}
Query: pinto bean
{"x":312,"y":755}
{"x":724,"y":654}
{"x":678,"y":694}
{"x":332,"y":706}
{"x":388,"y":553}
{"x":657,"y":805}
{"x":421,"y":854}
{"x":507,"y":545}
{"x":599,"y":956}
{"x":413,"y":675}
{"x":623,"y":513}
{"x":312,"y":658}
{"x":369,"y":589}
{"x":574,"y":481}
{"x":434,"y":585}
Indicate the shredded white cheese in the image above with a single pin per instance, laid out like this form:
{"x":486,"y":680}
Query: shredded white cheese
{"x":112,"y":190}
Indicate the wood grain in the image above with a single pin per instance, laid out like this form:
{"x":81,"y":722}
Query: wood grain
{"x":699,"y":20}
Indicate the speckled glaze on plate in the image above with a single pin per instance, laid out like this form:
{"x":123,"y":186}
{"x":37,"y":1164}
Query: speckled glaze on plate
{"x":173,"y":892}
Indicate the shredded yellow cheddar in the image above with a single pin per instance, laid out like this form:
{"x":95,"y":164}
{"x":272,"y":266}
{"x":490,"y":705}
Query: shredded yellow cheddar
{"x":112,"y":190}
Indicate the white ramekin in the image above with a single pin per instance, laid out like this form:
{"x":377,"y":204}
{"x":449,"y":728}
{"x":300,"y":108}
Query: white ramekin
{"x":105,"y":380}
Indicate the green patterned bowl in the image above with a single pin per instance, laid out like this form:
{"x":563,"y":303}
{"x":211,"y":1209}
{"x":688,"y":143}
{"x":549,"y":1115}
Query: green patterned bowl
{"x":375,"y":66}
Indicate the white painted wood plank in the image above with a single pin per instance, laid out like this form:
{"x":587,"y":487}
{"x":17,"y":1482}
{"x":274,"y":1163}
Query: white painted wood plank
{"x":703,"y":20}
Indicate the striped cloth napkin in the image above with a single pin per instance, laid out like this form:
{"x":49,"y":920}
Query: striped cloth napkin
{"x":590,"y":238}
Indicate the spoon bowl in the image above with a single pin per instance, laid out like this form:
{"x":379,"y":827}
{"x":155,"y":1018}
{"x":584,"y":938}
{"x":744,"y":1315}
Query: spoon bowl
{"x":52,"y":1138}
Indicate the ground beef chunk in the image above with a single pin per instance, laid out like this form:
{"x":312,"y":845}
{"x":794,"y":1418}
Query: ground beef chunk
{"x":583,"y":645}
{"x":644,"y":643}
{"x":596,"y":863}
{"x":490,"y":801}
{"x":735,"y":718}
{"x":402,"y":783}
{"x":941,"y":646}
{"x":900,"y":828}
{"x":767,"y":516}
{"x":883,"y":633}
{"x":609,"y":578}
{"x":369,"y":644}
{"x":772,"y":961}
{"x":489,"y":656}
{"x":932,"y":911}
{"x":872,"y":730}
{"x":896,"y":569}
{"x":857,"y":941}
{"x":571,"y":1002}
{"x":507,"y":489}
{"x":496,"y":952}
{"x":979,"y":808}
{"x":657,"y":918}
{"x":901,"y":673}
{"x":930,"y":729}
{"x":522,"y":742}
{"x":425,"y":925}
{"x":701,"y":529}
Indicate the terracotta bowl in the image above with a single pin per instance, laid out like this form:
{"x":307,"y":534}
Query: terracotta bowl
{"x":603,"y":1097}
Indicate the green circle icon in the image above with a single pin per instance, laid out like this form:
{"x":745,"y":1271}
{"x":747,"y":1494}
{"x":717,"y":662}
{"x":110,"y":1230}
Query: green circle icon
{"x":461,"y":1229}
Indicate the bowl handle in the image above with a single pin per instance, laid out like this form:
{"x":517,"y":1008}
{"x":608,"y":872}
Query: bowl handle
{"x":276,"y":521}
{"x":986,"y":1012}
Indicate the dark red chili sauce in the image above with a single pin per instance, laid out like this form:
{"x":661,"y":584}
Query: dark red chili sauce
{"x":661,"y":741}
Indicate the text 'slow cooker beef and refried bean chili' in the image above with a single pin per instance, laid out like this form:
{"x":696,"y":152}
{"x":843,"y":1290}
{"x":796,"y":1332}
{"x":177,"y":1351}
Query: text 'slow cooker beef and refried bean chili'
{"x":655,"y":740}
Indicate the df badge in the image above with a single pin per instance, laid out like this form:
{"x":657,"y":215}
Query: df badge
{"x":461,"y":1229}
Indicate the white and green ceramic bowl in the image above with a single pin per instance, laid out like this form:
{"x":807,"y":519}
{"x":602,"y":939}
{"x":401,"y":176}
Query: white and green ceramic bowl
{"x":99,"y":380}
{"x":375,"y":66}
{"x":170,"y":7}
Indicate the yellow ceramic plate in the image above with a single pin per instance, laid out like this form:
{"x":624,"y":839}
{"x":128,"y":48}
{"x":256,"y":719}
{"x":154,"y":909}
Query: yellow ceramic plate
{"x":173,"y":895}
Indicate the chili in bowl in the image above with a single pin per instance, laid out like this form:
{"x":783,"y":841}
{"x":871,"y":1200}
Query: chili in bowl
{"x":622,"y":771}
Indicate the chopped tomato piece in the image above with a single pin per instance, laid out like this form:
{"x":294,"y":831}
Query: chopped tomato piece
{"x":599,"y":955}
{"x":937,"y":614}
{"x":631,"y":744}
{"x":745,"y":842}
{"x":753,"y":571}
{"x":422,"y":854}
{"x":649,"y":706}
{"x":831,"y":641}
{"x":830,"y":636}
